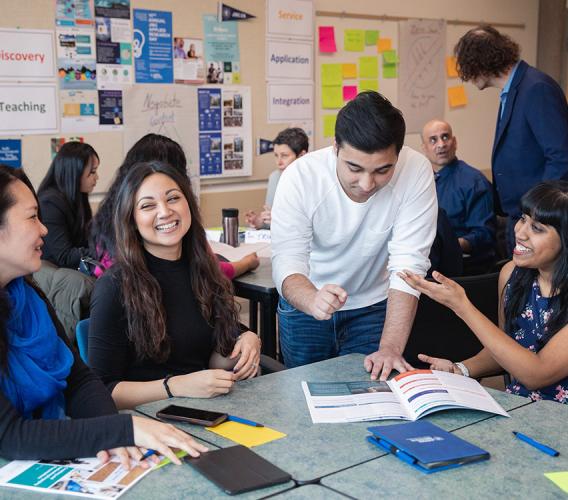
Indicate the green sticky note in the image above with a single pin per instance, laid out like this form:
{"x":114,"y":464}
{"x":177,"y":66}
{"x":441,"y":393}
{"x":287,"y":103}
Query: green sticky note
{"x":368,"y":85}
{"x":390,"y":57}
{"x":331,"y":74}
{"x":329,"y":125}
{"x":389,"y":71}
{"x":354,"y":40}
{"x":369,"y":67}
{"x":332,"y":97}
{"x":371,"y":37}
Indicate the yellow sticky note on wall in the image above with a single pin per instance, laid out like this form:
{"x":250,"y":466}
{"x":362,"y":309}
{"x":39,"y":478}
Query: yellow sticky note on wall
{"x":246,"y":435}
{"x":354,"y":40}
{"x":457,"y":96}
{"x":369,"y":67}
{"x":332,"y":97}
{"x":331,"y":74}
{"x":329,"y":125}
{"x":384,"y":44}
{"x":349,"y":70}
{"x":451,"y":67}
{"x":368,"y":85}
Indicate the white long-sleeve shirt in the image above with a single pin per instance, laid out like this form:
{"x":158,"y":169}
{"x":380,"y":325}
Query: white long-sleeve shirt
{"x":319,"y":232}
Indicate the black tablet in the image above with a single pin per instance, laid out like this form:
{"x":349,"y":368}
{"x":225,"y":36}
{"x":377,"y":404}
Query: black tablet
{"x":237,"y":469}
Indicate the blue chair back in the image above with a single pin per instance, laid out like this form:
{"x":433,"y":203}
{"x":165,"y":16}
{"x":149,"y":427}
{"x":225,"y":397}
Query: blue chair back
{"x":82,"y":335}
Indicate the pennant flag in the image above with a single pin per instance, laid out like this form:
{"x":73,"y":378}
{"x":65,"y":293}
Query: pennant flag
{"x":228,"y":13}
{"x":264,"y":146}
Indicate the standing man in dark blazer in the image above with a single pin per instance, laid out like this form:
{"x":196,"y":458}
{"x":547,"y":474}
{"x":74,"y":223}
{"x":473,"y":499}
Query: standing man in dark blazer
{"x":531,"y":137}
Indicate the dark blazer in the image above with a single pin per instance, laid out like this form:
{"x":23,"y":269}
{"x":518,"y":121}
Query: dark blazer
{"x":531,"y":140}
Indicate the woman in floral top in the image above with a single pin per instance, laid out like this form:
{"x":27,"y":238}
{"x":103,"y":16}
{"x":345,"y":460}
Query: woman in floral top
{"x":531,"y":342}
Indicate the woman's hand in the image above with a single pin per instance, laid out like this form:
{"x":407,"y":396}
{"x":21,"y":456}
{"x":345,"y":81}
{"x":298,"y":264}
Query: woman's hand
{"x":253,"y":219}
{"x":125,"y":454}
{"x":251,"y":261}
{"x":202,"y":384}
{"x":446,"y":291}
{"x":162,"y":437}
{"x":248,"y":348}
{"x":266,"y":215}
{"x":443,"y":365}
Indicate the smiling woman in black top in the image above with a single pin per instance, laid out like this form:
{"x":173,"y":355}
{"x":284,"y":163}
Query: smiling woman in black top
{"x":64,"y":203}
{"x":164,"y":316}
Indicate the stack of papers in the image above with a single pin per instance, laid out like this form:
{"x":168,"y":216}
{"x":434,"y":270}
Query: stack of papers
{"x":233,"y":254}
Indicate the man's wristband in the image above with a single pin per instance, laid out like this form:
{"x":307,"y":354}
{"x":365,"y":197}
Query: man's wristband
{"x":167,"y":387}
{"x":462,"y":368}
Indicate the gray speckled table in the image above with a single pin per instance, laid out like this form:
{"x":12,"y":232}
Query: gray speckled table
{"x":310,"y":492}
{"x":515,"y":469}
{"x":309,"y":451}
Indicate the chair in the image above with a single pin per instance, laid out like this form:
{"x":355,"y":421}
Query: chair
{"x":82,"y":336}
{"x":438,"y":332}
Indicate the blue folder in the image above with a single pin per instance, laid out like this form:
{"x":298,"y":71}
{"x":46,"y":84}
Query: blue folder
{"x":425,"y":446}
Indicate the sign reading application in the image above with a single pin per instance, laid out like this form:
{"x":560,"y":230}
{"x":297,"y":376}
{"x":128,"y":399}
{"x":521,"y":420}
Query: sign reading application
{"x":289,"y":60}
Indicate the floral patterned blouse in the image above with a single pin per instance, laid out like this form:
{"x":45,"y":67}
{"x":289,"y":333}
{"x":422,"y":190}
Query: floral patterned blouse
{"x":530,"y":332}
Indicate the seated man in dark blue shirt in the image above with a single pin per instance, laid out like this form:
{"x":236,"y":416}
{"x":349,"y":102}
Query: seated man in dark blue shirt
{"x":464,"y":193}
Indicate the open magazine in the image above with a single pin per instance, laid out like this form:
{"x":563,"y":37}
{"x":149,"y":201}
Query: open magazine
{"x":86,"y":477}
{"x":407,"y":396}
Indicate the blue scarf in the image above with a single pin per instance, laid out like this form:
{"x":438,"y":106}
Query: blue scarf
{"x":38,"y":360}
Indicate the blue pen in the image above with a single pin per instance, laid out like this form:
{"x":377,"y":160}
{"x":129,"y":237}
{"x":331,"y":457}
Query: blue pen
{"x":148,"y":454}
{"x":240,"y":420}
{"x":539,"y":446}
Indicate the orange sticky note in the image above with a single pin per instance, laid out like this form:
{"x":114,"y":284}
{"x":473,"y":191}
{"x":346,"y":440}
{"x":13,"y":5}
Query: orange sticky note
{"x":451,"y":67}
{"x":457,"y":96}
{"x":384,"y":44}
{"x":349,"y":70}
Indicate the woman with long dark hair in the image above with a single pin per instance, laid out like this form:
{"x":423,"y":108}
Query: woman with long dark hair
{"x":151,"y":147}
{"x":51,"y":405}
{"x":164,"y":314}
{"x":64,"y":203}
{"x":531,"y":342}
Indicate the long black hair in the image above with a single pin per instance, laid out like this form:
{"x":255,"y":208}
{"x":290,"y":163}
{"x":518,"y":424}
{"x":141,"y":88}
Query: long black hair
{"x":144,"y":308}
{"x":8,"y":176}
{"x":546,"y":203}
{"x":64,"y":175}
{"x":150,"y":147}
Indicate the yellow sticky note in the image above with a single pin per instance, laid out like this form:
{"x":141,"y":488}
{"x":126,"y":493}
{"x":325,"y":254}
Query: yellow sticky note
{"x":457,"y":96}
{"x":332,"y":97}
{"x":246,"y":435}
{"x":368,"y":85}
{"x":331,"y":74}
{"x":451,"y":67}
{"x":329,"y":125}
{"x":354,"y":40}
{"x":560,"y":479}
{"x":384,"y":44}
{"x":369,"y":67}
{"x":389,"y":71}
{"x":349,"y":70}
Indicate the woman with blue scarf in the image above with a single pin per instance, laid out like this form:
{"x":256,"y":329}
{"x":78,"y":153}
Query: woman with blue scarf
{"x":51,"y":405}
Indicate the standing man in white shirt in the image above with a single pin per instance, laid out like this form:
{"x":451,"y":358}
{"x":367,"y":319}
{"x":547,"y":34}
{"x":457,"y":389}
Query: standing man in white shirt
{"x":346,"y":219}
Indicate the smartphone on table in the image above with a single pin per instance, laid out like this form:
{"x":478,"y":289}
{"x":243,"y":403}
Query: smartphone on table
{"x":192,"y":415}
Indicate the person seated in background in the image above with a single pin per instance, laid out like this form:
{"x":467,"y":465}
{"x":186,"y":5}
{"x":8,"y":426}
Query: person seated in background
{"x":163,"y":319}
{"x":64,"y":203}
{"x":102,"y":236}
{"x":51,"y":405}
{"x":290,"y":144}
{"x":464,"y":193}
{"x":531,"y":341}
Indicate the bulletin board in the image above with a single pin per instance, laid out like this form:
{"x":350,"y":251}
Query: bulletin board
{"x":473,"y":121}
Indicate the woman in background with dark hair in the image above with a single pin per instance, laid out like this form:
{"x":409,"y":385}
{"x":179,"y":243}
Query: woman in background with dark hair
{"x":151,"y":147}
{"x":169,"y":337}
{"x":531,"y":342}
{"x":51,"y":405}
{"x":64,"y":203}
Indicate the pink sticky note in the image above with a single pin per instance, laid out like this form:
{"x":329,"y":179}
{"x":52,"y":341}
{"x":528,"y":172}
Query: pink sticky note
{"x":349,"y":92}
{"x":327,"y":39}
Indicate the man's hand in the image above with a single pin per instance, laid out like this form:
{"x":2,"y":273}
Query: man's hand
{"x":384,"y":361}
{"x":326,"y":301}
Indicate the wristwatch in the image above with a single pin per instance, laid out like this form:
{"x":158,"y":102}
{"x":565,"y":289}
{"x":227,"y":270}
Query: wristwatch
{"x":462,"y":368}
{"x":167,"y":387}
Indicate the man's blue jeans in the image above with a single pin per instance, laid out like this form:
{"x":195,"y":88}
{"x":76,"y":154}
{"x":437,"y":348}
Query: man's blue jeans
{"x":304,"y":339}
